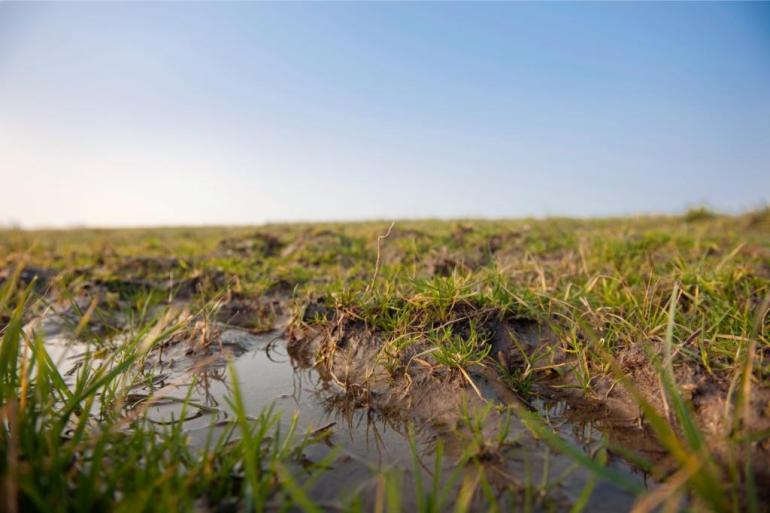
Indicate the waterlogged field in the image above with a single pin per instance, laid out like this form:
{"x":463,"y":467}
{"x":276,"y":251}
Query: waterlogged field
{"x":534,"y":365}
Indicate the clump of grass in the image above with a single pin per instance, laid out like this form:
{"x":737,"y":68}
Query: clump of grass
{"x":518,"y":379}
{"x":459,"y":351}
{"x":696,"y":214}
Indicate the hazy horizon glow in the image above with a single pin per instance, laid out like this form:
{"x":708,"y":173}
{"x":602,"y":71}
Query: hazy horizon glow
{"x":211,"y":113}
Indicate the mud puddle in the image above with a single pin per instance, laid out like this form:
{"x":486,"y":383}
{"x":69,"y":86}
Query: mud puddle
{"x":364,"y":443}
{"x":370,"y":441}
{"x":267,"y":376}
{"x":366,"y":440}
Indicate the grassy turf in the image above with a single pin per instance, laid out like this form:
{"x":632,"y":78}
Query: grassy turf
{"x":687,"y":293}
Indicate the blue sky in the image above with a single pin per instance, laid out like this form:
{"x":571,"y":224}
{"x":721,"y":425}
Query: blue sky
{"x":214,"y":113}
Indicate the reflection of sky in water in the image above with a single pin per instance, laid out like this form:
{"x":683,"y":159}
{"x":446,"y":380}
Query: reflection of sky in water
{"x":367,"y":442}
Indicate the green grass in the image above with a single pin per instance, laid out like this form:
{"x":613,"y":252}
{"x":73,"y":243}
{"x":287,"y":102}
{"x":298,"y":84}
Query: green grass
{"x":681,"y":298}
{"x":459,"y":351}
{"x":79,"y":447}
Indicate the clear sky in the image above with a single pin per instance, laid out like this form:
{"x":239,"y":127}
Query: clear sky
{"x":204,"y":113}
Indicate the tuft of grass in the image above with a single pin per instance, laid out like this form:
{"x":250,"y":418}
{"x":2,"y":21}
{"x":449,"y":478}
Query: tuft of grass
{"x":458,"y":351}
{"x":697,"y":214}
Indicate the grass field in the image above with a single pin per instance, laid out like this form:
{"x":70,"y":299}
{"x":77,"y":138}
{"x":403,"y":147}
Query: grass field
{"x":500,"y":342}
